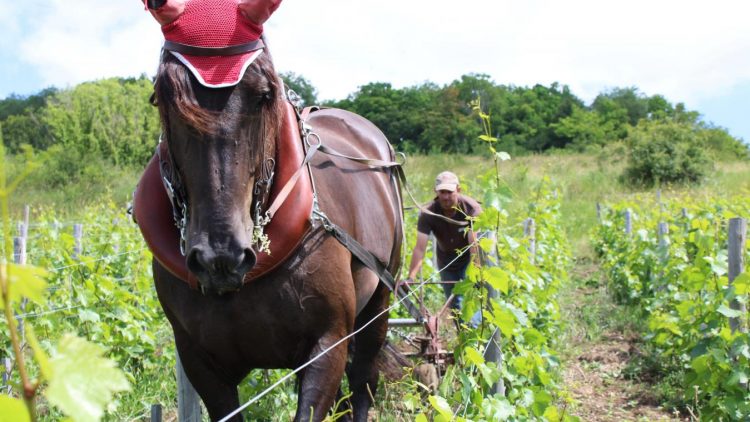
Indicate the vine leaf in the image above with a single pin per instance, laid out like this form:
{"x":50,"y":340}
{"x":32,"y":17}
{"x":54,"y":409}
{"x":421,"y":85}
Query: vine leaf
{"x":502,"y":156}
{"x":728,"y":312}
{"x":25,"y":281}
{"x":83,"y":382}
{"x":13,"y":410}
{"x":442,"y":406}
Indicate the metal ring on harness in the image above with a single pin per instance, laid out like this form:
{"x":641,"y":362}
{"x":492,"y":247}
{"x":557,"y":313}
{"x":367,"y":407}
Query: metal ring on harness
{"x":310,"y":135}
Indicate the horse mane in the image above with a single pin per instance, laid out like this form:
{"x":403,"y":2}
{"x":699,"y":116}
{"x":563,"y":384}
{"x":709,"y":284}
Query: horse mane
{"x":173,"y":89}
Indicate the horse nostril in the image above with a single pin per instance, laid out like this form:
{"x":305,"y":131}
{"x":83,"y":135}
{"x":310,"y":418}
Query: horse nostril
{"x":248,"y":261}
{"x":195,"y":262}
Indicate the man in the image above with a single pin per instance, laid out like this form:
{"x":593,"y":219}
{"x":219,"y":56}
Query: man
{"x":446,"y":218}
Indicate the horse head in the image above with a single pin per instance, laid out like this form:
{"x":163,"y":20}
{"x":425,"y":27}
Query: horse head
{"x":220,"y":111}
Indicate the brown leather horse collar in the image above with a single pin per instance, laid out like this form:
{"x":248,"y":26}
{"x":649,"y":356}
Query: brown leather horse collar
{"x":160,"y":204}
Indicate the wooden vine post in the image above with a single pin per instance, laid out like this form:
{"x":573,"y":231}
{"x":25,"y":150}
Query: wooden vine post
{"x":78,"y":236}
{"x":188,"y":401}
{"x":529,"y":231}
{"x":736,"y":250}
{"x":628,"y":222}
{"x":494,"y":352}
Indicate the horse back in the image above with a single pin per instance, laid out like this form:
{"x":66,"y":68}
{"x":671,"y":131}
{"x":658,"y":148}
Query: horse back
{"x":363,"y":200}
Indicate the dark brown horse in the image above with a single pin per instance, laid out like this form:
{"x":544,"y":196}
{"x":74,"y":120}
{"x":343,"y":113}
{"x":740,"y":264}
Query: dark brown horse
{"x":218,"y":140}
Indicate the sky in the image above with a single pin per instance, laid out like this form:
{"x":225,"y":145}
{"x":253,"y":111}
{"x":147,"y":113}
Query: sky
{"x":695,"y":52}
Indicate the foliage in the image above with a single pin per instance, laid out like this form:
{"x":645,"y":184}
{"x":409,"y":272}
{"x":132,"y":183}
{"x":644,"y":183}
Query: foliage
{"x":302,"y":87}
{"x":678,"y":283}
{"x":111,"y":119}
{"x":524,"y":311}
{"x":80,"y":381}
{"x":666,"y":151}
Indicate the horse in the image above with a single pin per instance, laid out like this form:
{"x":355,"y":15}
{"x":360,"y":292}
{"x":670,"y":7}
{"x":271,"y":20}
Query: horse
{"x":221,"y":145}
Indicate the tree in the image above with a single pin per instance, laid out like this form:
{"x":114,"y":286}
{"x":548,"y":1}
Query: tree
{"x":302,"y":87}
{"x":635,"y":104}
{"x":584,"y":129}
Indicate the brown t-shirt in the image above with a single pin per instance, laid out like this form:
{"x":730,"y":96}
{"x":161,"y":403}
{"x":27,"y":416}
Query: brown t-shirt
{"x":449,"y":237}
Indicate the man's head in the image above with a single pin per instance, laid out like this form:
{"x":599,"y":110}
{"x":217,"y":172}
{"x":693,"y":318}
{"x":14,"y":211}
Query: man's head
{"x":447,"y":189}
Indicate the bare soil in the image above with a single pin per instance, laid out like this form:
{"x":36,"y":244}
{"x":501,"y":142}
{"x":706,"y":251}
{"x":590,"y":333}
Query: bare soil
{"x":595,"y":381}
{"x":593,"y":368}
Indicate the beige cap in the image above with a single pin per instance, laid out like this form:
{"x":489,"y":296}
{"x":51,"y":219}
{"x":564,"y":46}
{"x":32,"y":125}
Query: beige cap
{"x":446,"y":181}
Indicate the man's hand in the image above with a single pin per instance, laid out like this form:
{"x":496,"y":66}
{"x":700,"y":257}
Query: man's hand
{"x":403,"y":285}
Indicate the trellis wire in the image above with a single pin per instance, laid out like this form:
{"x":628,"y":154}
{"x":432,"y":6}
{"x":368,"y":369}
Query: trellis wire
{"x":333,"y":346}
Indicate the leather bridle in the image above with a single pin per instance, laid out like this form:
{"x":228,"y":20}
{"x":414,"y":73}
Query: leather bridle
{"x":194,"y":50}
{"x":169,"y":171}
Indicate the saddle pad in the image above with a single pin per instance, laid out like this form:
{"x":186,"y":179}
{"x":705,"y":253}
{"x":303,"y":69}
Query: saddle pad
{"x":152,"y":210}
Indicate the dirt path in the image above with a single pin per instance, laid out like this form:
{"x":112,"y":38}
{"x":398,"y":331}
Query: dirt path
{"x":599,"y":351}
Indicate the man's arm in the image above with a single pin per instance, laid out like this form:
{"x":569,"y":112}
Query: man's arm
{"x":417,"y":256}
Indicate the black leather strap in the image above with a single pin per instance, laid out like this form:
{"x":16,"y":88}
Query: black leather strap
{"x":195,"y":50}
{"x":155,"y":4}
{"x":373,"y":263}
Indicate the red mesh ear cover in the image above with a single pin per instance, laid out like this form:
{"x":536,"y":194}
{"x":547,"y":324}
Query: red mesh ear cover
{"x":214,"y":23}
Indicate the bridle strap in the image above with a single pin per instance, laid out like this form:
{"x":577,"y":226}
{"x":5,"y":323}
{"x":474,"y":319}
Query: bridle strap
{"x":194,"y":50}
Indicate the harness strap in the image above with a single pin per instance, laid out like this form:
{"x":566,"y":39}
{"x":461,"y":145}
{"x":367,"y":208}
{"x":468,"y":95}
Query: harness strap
{"x":372,"y":262}
{"x":195,"y":50}
{"x":284,"y":192}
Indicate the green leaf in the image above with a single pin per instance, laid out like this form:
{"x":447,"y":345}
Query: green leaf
{"x":728,"y":312}
{"x":25,"y":281}
{"x":83,"y":382}
{"x":86,"y":315}
{"x":39,"y":354}
{"x":738,"y":378}
{"x":542,"y":400}
{"x":473,"y":356}
{"x":498,"y":409}
{"x":497,"y":278}
{"x":487,"y":244}
{"x":742,"y":284}
{"x":504,"y":320}
{"x":552,"y":414}
{"x":13,"y":410}
{"x":441,"y":405}
{"x":487,"y":138}
{"x":533,"y":337}
{"x":421,"y":418}
{"x":502,"y":156}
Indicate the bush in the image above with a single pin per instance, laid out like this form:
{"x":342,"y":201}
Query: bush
{"x":666,"y":152}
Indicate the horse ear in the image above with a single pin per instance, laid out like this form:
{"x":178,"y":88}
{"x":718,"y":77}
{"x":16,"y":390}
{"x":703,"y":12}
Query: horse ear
{"x":258,"y":11}
{"x":166,"y":11}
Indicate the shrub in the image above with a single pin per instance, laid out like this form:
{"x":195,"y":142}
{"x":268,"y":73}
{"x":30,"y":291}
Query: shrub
{"x":666,"y":152}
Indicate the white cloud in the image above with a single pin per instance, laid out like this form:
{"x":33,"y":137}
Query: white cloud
{"x":686,"y":50}
{"x":86,"y":40}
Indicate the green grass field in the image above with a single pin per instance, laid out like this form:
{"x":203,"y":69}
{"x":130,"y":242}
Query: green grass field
{"x":582,"y":179}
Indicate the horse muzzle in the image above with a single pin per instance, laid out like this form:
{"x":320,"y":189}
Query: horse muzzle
{"x":221,"y":271}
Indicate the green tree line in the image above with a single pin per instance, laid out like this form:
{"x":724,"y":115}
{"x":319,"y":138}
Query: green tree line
{"x":112,"y":120}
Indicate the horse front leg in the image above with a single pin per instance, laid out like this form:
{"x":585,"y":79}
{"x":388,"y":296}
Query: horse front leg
{"x":320,"y":381}
{"x":219,"y":396}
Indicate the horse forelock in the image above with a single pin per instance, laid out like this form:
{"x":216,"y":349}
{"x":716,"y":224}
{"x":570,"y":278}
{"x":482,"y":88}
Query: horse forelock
{"x":174,"y":92}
